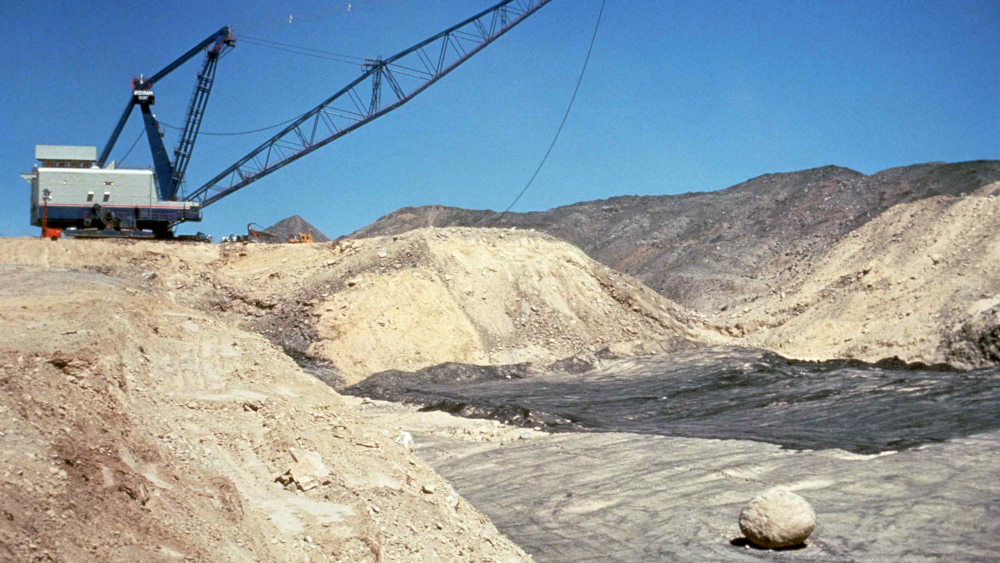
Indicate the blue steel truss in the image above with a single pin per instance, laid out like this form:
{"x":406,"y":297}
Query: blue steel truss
{"x":385,"y":85}
{"x":195,"y":113}
{"x":221,"y":35}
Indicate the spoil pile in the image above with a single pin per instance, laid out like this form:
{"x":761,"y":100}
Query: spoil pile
{"x":481,"y":296}
{"x":726,"y":248}
{"x":138,"y":429}
{"x":921,"y":281}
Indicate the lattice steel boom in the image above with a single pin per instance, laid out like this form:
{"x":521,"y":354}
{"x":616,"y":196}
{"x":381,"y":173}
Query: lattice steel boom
{"x":405,"y":75}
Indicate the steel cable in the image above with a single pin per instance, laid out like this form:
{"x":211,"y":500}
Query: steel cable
{"x":261,"y":40}
{"x":136,"y":142}
{"x":565,"y":117}
{"x":235,"y":133}
{"x":314,"y":55}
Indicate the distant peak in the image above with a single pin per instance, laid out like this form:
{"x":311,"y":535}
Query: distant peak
{"x":295,"y":225}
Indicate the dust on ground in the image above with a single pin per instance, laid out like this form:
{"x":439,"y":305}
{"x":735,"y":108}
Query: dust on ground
{"x":152,"y":411}
{"x":137,"y":429}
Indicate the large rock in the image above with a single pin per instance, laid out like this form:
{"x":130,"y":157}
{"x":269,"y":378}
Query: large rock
{"x":308,"y":470}
{"x":777,"y":518}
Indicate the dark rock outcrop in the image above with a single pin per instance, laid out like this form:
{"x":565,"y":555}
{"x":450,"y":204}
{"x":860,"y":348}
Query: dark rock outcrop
{"x":293,"y":226}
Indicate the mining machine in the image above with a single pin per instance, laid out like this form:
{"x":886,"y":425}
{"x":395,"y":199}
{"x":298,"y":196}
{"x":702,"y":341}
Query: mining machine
{"x":73,"y":187}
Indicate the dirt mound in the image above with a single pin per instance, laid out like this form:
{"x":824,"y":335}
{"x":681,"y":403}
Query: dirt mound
{"x":357,"y":307}
{"x":137,"y":429}
{"x":483,"y":296}
{"x":724,"y":248}
{"x":922,"y":282}
{"x":294,"y":226}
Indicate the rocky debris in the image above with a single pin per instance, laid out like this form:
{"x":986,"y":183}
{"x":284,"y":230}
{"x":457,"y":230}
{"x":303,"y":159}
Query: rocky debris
{"x":918,"y":282}
{"x":777,"y":518}
{"x":346,"y":246}
{"x":976,"y":342}
{"x":420,"y":299}
{"x":308,"y":471}
{"x":168,"y":443}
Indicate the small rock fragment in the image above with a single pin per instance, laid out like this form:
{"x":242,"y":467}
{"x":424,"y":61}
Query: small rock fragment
{"x":309,"y":470}
{"x":406,"y":439}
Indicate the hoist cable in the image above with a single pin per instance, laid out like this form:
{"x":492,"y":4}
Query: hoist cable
{"x":565,"y":117}
{"x":314,"y":55}
{"x":261,"y":40}
{"x":122,"y":159}
{"x":167,"y":125}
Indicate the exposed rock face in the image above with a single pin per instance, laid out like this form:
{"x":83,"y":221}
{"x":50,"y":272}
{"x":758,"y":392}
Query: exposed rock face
{"x":724,"y":248}
{"x":309,"y":469}
{"x":777,"y":518}
{"x":977,"y":342}
{"x":818,"y":264}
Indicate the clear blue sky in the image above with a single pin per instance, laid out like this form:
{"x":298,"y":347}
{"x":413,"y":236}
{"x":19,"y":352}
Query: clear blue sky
{"x":679,"y":96}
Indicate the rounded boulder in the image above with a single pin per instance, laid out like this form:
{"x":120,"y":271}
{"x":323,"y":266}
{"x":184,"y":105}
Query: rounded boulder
{"x":777,"y":518}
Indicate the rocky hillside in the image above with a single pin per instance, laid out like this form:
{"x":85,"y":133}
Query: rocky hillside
{"x":719,"y":250}
{"x":294,"y":226}
{"x":484,"y":296}
{"x":921,"y":281}
{"x":134,"y":428}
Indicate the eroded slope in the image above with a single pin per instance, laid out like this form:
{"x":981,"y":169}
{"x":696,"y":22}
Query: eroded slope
{"x":136,"y":429}
{"x":922,"y":281}
{"x":722,"y":249}
{"x":484,"y":296}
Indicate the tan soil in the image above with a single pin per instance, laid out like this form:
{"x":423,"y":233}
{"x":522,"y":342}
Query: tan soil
{"x":147,"y":408}
{"x":905,"y":284}
{"x":141,"y":422}
{"x":136,"y":429}
{"x":456,"y":295}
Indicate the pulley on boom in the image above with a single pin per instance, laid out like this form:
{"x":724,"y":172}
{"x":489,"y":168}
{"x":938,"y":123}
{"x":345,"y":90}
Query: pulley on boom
{"x":87,"y":191}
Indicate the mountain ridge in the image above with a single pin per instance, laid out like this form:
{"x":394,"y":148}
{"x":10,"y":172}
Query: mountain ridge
{"x":710,"y":250}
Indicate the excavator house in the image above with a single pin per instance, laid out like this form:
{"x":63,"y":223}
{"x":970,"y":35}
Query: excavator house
{"x":69,"y":190}
{"x":74,"y":187}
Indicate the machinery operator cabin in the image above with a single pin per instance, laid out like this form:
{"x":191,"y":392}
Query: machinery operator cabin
{"x":69,"y":190}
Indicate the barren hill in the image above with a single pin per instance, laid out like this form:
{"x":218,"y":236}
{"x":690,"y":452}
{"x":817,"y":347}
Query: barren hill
{"x":149,"y":415}
{"x":294,"y":226}
{"x":151,"y":408}
{"x":921,"y":281}
{"x":713,"y":250}
{"x":135,"y":428}
{"x":489,"y":296}
{"x":485,"y":296}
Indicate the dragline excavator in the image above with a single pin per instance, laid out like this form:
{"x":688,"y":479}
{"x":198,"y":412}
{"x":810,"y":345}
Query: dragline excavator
{"x":72,"y":187}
